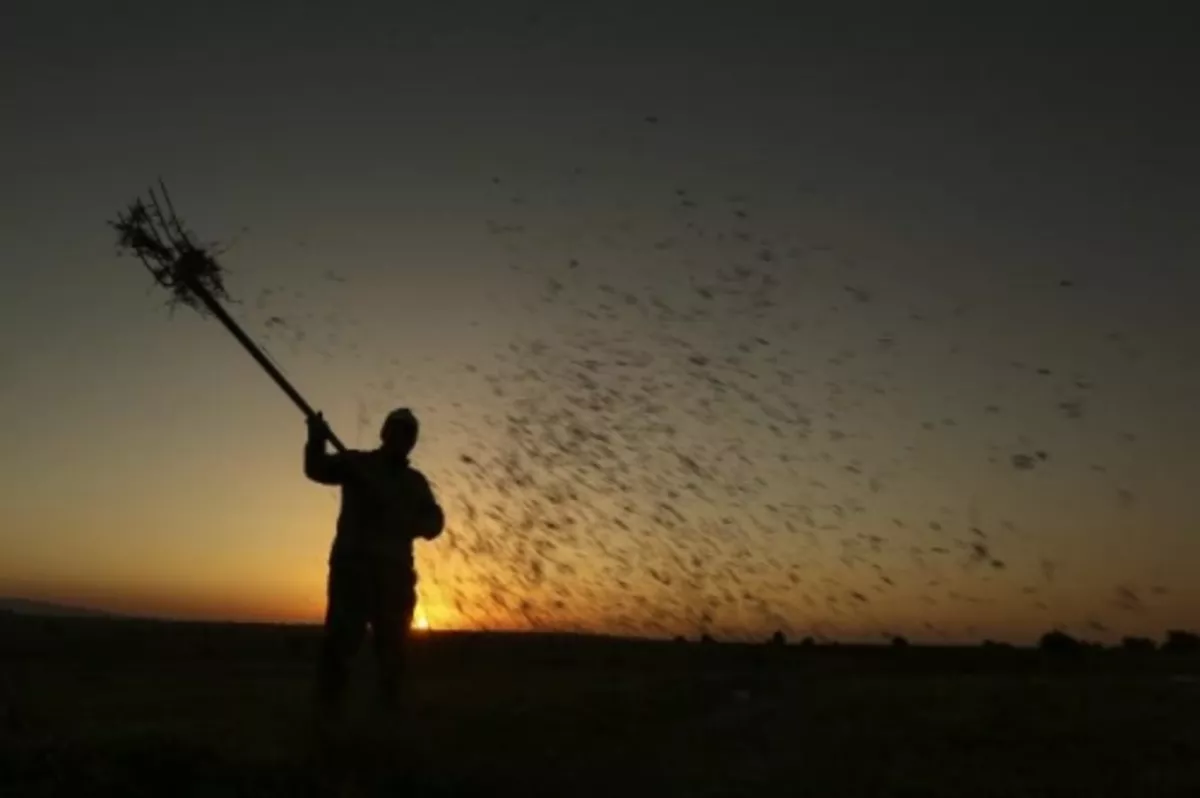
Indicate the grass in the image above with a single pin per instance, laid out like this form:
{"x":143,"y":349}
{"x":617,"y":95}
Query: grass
{"x":101,"y":707}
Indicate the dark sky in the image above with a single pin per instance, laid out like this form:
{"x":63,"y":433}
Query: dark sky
{"x":933,"y":243}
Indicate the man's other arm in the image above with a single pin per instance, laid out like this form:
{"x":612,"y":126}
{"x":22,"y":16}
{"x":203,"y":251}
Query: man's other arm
{"x":430,"y":520}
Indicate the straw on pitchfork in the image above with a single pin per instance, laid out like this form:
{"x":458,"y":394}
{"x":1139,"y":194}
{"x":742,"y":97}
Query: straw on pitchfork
{"x":152,"y":232}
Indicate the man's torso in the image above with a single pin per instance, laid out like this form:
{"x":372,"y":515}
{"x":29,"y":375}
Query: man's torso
{"x":374,"y":527}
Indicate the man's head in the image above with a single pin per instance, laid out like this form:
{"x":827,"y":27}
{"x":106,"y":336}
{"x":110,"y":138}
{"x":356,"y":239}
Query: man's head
{"x":399,"y":432}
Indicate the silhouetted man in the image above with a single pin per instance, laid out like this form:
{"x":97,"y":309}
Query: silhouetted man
{"x":386,"y":505}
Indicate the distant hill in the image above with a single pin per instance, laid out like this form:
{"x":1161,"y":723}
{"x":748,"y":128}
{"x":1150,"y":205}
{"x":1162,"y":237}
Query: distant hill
{"x":23,"y":606}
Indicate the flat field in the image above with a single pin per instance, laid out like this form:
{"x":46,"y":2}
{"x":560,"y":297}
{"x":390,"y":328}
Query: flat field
{"x":138,"y":708}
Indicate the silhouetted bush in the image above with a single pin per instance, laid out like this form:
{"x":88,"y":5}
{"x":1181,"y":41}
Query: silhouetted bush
{"x":1059,"y":642}
{"x":994,"y":645}
{"x":1181,"y":642}
{"x":778,"y":639}
{"x":1140,"y":644}
{"x":899,"y":641}
{"x":808,"y":642}
{"x":707,"y":639}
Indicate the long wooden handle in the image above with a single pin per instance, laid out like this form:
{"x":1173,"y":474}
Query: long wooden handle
{"x":215,"y":308}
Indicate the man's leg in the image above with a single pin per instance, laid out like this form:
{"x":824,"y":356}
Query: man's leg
{"x":345,"y":624}
{"x":397,"y":599}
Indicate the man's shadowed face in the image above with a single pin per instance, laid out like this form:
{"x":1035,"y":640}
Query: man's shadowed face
{"x":398,"y":434}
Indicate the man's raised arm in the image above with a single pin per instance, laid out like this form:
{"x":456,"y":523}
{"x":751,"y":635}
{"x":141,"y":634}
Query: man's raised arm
{"x":319,"y":465}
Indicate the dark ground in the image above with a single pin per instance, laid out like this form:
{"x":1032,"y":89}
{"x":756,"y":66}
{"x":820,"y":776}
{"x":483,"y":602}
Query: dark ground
{"x":132,"y":708}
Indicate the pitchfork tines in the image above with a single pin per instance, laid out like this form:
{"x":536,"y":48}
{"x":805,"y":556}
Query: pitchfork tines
{"x":153,"y":233}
